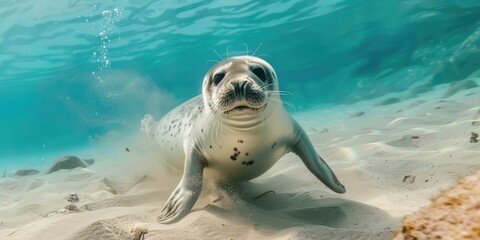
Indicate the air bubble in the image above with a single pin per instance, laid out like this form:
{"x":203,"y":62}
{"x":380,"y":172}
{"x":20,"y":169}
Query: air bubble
{"x":106,"y":28}
{"x":107,"y":13}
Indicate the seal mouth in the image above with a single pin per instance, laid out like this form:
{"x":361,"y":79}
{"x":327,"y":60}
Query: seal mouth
{"x":242,"y":108}
{"x":247,"y":101}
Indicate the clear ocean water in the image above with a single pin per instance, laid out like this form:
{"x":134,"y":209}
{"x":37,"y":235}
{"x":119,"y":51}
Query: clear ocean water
{"x":72,"y":71}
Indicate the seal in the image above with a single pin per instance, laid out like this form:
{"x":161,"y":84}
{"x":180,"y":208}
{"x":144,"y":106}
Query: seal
{"x":235,"y":131}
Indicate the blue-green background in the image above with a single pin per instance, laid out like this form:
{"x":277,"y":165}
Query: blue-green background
{"x":58,"y":92}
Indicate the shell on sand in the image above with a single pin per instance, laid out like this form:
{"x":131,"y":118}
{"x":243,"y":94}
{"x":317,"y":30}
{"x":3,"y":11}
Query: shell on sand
{"x":453,"y":214}
{"x":138,"y":232}
{"x":67,"y":162}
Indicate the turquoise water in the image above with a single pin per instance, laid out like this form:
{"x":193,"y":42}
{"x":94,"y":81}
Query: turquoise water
{"x":71,"y":71}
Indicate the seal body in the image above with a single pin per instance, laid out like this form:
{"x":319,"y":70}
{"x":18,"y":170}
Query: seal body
{"x":235,"y":131}
{"x":231,"y":153}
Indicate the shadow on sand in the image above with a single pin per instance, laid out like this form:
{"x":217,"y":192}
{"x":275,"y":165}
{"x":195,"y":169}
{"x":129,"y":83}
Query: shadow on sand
{"x":303,"y":213}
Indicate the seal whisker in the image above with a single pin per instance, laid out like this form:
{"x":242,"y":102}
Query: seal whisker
{"x":280,"y":91}
{"x":264,"y":54}
{"x":283,"y":93}
{"x":267,"y":85}
{"x":228,"y":57}
{"x":278,"y":94}
{"x":210,"y":61}
{"x":246,"y":47}
{"x":289,"y":104}
{"x":220,"y":56}
{"x":259,"y":45}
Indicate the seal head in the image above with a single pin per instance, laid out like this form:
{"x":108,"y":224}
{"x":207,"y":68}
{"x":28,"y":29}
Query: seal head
{"x":239,"y":85}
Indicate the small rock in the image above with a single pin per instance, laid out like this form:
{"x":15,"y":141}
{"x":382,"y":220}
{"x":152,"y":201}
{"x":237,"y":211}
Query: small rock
{"x":408,"y":179}
{"x":73,"y":198}
{"x":325,"y":130}
{"x":473,"y":138}
{"x":26,"y":172}
{"x":72,"y":208}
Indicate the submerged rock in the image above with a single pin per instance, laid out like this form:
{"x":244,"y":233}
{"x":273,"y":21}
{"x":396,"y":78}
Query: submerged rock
{"x":409,"y":179}
{"x":72,"y":208}
{"x":73,"y":198}
{"x":67,"y":162}
{"x":26,"y":172}
{"x":473,"y":137}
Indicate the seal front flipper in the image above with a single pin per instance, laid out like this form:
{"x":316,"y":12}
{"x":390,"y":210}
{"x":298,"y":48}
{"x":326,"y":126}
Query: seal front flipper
{"x":186,"y":193}
{"x":305,"y":150}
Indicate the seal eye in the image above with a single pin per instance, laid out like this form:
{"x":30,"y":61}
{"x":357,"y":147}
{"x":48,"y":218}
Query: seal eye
{"x":217,"y":78}
{"x":260,"y":73}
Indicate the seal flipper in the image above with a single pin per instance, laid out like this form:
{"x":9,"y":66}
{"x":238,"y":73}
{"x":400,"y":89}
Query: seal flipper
{"x":305,"y":150}
{"x":186,"y":193}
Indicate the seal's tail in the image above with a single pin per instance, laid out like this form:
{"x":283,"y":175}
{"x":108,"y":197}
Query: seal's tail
{"x":146,"y":124}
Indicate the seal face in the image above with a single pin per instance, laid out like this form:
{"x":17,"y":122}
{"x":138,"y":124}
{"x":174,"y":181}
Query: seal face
{"x":235,"y":131}
{"x":238,"y":85}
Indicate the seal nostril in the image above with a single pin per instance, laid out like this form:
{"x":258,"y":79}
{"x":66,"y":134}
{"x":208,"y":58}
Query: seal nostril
{"x":237,"y":89}
{"x":243,"y":89}
{"x":243,"y":85}
{"x":236,"y":85}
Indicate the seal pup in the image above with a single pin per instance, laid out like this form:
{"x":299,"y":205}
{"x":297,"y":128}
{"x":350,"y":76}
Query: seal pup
{"x":235,"y":131}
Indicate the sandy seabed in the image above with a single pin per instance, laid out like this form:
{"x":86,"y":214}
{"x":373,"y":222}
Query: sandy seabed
{"x":393,"y":154}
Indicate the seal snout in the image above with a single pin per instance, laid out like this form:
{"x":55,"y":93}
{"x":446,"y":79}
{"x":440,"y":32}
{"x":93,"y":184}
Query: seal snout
{"x":240,"y":90}
{"x":242,"y":95}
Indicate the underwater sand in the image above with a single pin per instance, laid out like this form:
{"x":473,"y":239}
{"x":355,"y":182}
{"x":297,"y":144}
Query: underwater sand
{"x":392,"y":153}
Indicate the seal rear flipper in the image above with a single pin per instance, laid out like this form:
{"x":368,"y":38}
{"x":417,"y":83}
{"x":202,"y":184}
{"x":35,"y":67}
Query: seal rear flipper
{"x":186,"y":193}
{"x":305,"y":150}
